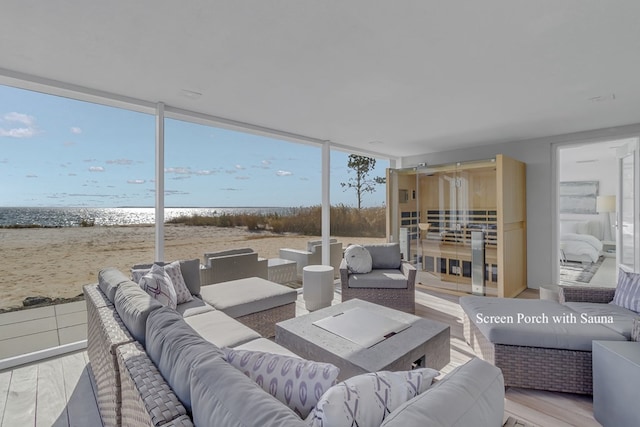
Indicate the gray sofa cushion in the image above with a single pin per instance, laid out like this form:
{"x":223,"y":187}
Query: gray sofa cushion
{"x":266,"y":346}
{"x":622,"y":318}
{"x":224,"y":396}
{"x":477,"y":388}
{"x":241,"y":297}
{"x":134,"y":305}
{"x":108,"y":281}
{"x":379,"y":279}
{"x":220,"y":329}
{"x":510,"y":328}
{"x":175,"y":348}
{"x":193,"y":307}
{"x":385,"y":255}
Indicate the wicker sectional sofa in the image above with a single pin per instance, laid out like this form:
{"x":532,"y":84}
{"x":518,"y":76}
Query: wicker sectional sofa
{"x":156,"y":366}
{"x":117,"y":312}
{"x":552,"y":355}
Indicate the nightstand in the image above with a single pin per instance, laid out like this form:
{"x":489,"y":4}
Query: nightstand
{"x":609,"y":248}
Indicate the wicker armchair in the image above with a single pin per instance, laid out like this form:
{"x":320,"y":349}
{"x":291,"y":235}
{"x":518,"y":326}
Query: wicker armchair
{"x":382,"y":287}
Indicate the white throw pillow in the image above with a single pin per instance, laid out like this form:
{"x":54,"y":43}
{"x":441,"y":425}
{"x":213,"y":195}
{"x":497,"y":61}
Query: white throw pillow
{"x":296,"y":382}
{"x":157,"y":283}
{"x":365,"y":400}
{"x":358,"y":259}
{"x":175,"y":274}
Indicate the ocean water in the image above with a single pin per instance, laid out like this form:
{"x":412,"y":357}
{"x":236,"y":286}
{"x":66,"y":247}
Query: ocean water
{"x":72,"y":217}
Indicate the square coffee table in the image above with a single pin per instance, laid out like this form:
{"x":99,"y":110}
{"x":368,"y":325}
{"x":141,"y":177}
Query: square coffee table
{"x":424,"y":343}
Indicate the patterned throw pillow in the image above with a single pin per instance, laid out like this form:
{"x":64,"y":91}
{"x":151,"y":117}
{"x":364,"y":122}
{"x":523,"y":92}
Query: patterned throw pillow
{"x":157,"y":283}
{"x":296,"y":382}
{"x":365,"y":400}
{"x":175,"y":274}
{"x":358,"y":259}
{"x":627,"y":293}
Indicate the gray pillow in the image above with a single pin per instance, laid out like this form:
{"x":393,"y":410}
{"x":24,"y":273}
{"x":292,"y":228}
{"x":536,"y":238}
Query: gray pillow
{"x":176,"y":348}
{"x":191,"y":274}
{"x":108,"y":281}
{"x":134,"y":305}
{"x":222,"y":395}
{"x":385,"y":255}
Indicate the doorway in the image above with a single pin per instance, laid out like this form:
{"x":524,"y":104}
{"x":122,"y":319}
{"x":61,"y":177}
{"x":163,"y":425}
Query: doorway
{"x":588,"y":206}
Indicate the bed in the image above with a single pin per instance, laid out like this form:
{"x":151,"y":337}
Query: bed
{"x":580,"y":241}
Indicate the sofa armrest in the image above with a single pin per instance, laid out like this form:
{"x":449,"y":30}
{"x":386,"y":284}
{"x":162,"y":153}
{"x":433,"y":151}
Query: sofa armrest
{"x":586,"y":294}
{"x":635,"y":330}
{"x":409,"y":271}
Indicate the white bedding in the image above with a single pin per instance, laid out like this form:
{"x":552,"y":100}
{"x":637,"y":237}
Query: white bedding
{"x":580,"y":247}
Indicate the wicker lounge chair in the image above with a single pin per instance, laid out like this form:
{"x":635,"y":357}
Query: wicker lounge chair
{"x":390,"y":283}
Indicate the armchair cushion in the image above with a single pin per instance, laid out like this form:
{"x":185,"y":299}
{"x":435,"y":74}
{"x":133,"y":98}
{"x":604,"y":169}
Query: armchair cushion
{"x":358,"y":259}
{"x":386,"y":255}
{"x":628,"y":291}
{"x":382,"y":278}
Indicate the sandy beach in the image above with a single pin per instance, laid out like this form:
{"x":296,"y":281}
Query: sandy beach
{"x":57,"y":262}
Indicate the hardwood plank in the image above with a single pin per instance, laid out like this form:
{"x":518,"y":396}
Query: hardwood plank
{"x":51,"y":409}
{"x":562,"y":406}
{"x":81,"y":402}
{"x":5,"y":380}
{"x":20,"y":409}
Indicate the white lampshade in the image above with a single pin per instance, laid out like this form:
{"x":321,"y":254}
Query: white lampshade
{"x":606,"y":204}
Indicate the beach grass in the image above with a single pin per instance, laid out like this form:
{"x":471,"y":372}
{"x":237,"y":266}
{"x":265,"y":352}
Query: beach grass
{"x":345,"y":221}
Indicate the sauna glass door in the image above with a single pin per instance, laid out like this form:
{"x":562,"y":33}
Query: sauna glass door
{"x":453,"y":204}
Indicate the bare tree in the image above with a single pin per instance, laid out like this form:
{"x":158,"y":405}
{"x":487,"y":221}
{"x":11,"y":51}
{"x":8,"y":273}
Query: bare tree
{"x":362,"y":183}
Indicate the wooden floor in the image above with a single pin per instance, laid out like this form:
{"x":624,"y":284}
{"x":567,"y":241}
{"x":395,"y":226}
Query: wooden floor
{"x":58,"y":392}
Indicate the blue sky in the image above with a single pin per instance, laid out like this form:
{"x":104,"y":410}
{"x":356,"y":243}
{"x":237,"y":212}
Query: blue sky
{"x":61,"y":152}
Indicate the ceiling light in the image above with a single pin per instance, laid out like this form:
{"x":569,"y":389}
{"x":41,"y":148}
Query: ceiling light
{"x":190,"y":94}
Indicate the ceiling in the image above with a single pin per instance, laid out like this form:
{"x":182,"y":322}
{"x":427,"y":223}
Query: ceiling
{"x":395,"y":78}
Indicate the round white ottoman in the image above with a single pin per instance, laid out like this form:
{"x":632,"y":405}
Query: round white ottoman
{"x":317,"y":286}
{"x":550,"y":292}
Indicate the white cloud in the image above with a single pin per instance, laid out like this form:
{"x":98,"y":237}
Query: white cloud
{"x":239,"y":167}
{"x":205,"y":172}
{"x":96,"y":169}
{"x":265,"y":162}
{"x":76,"y":130}
{"x":243,"y":177}
{"x":284,"y":173}
{"x":119,"y":162}
{"x":19,"y":132}
{"x":25,"y":119}
{"x":136,"y":181}
{"x":179,"y":170}
{"x":68,"y":143}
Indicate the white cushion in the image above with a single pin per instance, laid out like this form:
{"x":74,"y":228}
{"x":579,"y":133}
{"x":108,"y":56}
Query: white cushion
{"x":627,"y":293}
{"x":366,"y":400}
{"x":157,"y":283}
{"x":296,"y":382}
{"x":175,"y":274}
{"x":358,"y":259}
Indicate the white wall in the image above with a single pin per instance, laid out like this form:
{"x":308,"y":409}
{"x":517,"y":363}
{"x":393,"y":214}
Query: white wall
{"x":539,"y":155}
